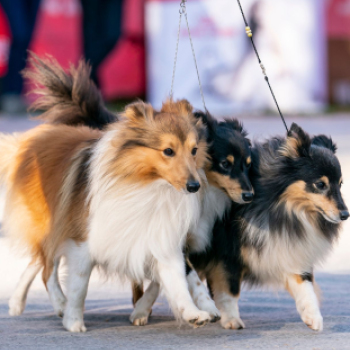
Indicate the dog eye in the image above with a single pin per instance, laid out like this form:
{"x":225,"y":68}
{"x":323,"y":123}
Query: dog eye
{"x":226,"y":164}
{"x":320,"y":185}
{"x":169,"y":152}
{"x":194,"y":151}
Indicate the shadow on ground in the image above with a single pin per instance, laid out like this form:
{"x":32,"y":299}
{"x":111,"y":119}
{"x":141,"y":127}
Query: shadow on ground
{"x":271,"y":322}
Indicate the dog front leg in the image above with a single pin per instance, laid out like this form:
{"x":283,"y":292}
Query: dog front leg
{"x":79,"y":271}
{"x":301,"y":288}
{"x":173,"y":280}
{"x":225,"y":287}
{"x":200,"y":294}
{"x":143,"y":306}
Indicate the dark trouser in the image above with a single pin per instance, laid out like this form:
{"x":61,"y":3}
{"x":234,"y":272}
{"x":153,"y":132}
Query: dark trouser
{"x":102,"y":29}
{"x":21,"y":15}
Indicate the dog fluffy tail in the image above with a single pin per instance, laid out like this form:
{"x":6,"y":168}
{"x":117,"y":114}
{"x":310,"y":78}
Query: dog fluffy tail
{"x":69,"y":98}
{"x":9,"y":145}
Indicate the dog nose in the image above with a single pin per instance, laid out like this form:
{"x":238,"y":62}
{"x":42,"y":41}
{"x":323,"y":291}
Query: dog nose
{"x":193,"y":186}
{"x":344,"y":215}
{"x":247,"y":196}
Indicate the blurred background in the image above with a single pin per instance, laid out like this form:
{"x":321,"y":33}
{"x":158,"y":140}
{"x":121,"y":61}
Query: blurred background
{"x":304,"y":44}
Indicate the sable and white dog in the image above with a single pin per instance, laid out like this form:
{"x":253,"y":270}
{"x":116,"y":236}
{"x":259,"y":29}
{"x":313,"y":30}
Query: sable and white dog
{"x":121,"y":199}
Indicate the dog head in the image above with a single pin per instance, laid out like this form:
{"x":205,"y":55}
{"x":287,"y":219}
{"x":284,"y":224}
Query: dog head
{"x":316,"y":176}
{"x":169,"y":144}
{"x":229,"y":158}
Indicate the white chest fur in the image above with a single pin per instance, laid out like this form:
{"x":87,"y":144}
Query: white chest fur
{"x":215,"y":203}
{"x":281,"y":254}
{"x":132,"y":228}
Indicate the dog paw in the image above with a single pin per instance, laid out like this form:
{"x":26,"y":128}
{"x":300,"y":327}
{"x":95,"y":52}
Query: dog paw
{"x":16,"y":307}
{"x":196,"y":318}
{"x":313,"y":320}
{"x":232,"y":323}
{"x":139,"y":318}
{"x":74,"y":324}
{"x":208,"y":305}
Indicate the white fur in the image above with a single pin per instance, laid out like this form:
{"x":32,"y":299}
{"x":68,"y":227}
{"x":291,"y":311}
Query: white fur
{"x":281,"y":255}
{"x":213,"y":206}
{"x":133,"y":227}
{"x":56,"y":295}
{"x":306,"y":302}
{"x":79,"y":266}
{"x":17,"y":302}
{"x":135,"y":231}
{"x":228,"y":305}
{"x":143,"y":307}
{"x":201,"y":297}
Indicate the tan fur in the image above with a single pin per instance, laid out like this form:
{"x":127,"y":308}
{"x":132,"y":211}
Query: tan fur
{"x":297,"y":199}
{"x":249,"y":160}
{"x":137,"y":292}
{"x":224,"y":182}
{"x":153,"y":132}
{"x":290,"y":148}
{"x":34,"y":206}
{"x":8,"y":149}
{"x":231,"y":159}
{"x":69,"y":98}
{"x":325,"y":180}
{"x":217,"y":279}
{"x":47,"y":194}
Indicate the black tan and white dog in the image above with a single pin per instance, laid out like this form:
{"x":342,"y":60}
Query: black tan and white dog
{"x":72,"y":99}
{"x":123,"y":199}
{"x":279,"y":237}
{"x":288,"y":228}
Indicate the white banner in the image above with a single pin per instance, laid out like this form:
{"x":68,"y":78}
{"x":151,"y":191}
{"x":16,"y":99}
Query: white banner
{"x":289,"y":36}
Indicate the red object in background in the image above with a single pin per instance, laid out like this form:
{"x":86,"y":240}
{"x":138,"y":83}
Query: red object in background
{"x":123,"y":74}
{"x":338,"y":19}
{"x":5,"y":40}
{"x":58,"y":32}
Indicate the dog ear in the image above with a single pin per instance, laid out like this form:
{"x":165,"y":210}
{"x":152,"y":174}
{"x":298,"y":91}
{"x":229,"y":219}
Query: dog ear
{"x":182,"y":107}
{"x":236,"y":125}
{"x":297,"y":144}
{"x":324,"y":141}
{"x":139,"y":111}
{"x":208,"y":121}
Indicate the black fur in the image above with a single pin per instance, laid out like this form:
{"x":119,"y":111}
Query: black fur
{"x":273,"y":171}
{"x":226,"y":138}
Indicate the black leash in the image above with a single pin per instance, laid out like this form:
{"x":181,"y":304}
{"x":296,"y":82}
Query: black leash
{"x":250,"y":35}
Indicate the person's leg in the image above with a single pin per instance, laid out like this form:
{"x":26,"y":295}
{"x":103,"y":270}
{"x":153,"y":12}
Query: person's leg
{"x":101,"y":30}
{"x":21,"y":24}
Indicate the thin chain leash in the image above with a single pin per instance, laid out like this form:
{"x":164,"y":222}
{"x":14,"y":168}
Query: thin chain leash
{"x":183,"y":11}
{"x":250,"y":35}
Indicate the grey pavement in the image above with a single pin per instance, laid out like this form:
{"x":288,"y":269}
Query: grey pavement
{"x":270,"y":316}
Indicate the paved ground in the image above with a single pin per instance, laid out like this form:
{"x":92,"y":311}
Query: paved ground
{"x":271,"y":319}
